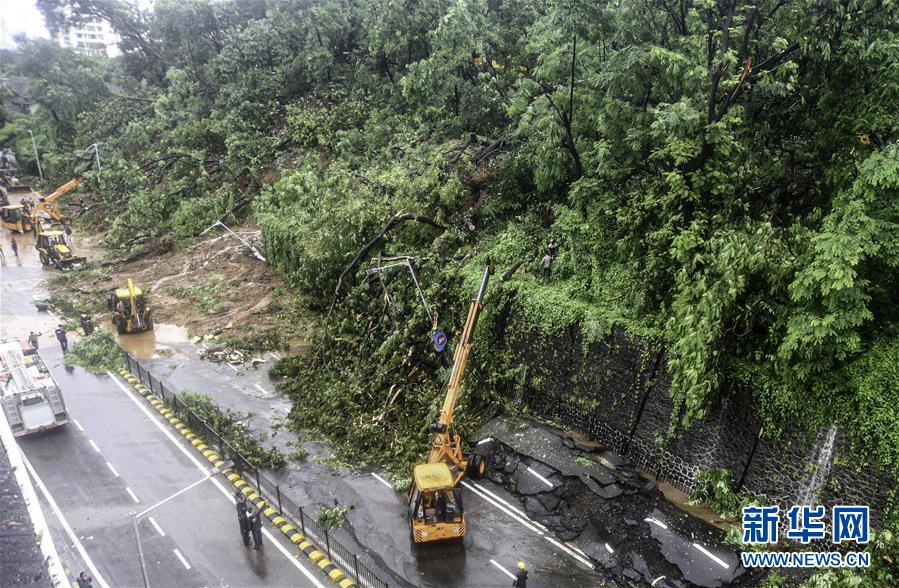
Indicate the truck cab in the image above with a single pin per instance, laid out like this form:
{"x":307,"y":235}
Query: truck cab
{"x":435,"y":505}
{"x":29,"y":396}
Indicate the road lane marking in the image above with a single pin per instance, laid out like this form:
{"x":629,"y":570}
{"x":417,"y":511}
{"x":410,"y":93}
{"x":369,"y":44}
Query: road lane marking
{"x":168,"y":434}
{"x":508,"y":505}
{"x":382,"y":480}
{"x":156,"y":526}
{"x":656,"y":522}
{"x":65,"y":525}
{"x":231,"y":366}
{"x":539,"y":477}
{"x":712,"y":556}
{"x":524,"y":522}
{"x":261,"y":389}
{"x":503,"y":570}
{"x":94,"y":445}
{"x":570,"y":552}
{"x":609,"y":548}
{"x":112,"y":469}
{"x":181,"y":557}
{"x":77,"y":424}
{"x":657,"y":580}
{"x":132,"y":494}
{"x":487,"y":440}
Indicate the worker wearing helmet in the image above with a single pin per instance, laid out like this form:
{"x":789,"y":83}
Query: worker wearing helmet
{"x":521,"y":578}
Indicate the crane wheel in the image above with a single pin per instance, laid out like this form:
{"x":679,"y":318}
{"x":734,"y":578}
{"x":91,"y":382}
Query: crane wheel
{"x":476,"y":467}
{"x":44,"y":259}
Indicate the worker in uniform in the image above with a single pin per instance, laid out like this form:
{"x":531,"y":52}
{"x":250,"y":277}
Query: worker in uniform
{"x":254,"y":517}
{"x":85,"y":581}
{"x":242,"y":517}
{"x":15,"y":247}
{"x":521,"y":578}
{"x":61,"y":337}
{"x":32,"y":339}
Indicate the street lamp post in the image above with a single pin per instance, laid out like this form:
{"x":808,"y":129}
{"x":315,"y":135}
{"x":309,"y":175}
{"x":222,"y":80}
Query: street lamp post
{"x":36,"y":158}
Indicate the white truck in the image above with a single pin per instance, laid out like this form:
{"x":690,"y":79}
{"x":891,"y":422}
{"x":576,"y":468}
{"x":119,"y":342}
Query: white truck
{"x":31,"y":399}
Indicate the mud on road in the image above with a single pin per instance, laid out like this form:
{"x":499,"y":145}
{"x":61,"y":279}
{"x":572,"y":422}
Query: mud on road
{"x":214,"y":287}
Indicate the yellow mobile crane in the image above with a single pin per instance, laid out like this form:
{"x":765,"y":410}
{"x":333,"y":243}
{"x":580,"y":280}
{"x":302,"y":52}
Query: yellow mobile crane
{"x":435,"y":497}
{"x":47,"y":204}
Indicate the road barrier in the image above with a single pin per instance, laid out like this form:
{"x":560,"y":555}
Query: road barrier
{"x":321,"y":547}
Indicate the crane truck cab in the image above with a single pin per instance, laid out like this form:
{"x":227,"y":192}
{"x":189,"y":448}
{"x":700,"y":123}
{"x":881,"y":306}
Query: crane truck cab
{"x":435,"y":504}
{"x":130,"y":310}
{"x":435,"y":497}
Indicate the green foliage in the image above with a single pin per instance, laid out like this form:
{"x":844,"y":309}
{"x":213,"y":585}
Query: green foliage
{"x":257,"y":342}
{"x":205,"y":295}
{"x":227,"y":424}
{"x":714,"y":487}
{"x":884,"y":571}
{"x":332,"y":517}
{"x":98,"y":353}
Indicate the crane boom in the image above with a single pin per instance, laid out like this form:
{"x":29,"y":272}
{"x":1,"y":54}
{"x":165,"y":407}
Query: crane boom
{"x":444,"y":444}
{"x":47,"y":204}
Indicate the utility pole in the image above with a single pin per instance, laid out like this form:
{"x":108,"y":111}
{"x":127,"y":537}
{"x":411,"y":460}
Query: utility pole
{"x":36,"y":158}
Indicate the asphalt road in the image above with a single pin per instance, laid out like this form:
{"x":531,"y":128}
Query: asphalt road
{"x":113,"y":459}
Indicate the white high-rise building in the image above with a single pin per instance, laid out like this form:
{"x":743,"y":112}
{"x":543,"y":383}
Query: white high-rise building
{"x":92,"y":38}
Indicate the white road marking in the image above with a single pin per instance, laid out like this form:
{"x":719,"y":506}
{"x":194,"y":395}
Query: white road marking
{"x":382,"y":480}
{"x":656,"y":522}
{"x":94,"y":445}
{"x":503,"y":570}
{"x":95,"y":573}
{"x":539,"y":477}
{"x":609,"y":548}
{"x":112,"y":469}
{"x":570,"y":552}
{"x":276,"y":355}
{"x":521,"y":520}
{"x":231,"y":366}
{"x":507,"y":505}
{"x":181,"y":557}
{"x":712,"y":556}
{"x":581,"y":551}
{"x":132,"y":494}
{"x":657,"y":580}
{"x":156,"y":526}
{"x":261,"y":389}
{"x":487,"y":440}
{"x":77,"y":424}
{"x":140,"y":403}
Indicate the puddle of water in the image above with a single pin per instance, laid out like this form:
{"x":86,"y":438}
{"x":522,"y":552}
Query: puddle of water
{"x":146,"y":345}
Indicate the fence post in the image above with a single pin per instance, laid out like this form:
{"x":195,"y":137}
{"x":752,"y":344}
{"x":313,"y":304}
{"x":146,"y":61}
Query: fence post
{"x":356,"y":568}
{"x":302,"y":520}
{"x":328,"y":544}
{"x":278,"y":492}
{"x":258,"y":485}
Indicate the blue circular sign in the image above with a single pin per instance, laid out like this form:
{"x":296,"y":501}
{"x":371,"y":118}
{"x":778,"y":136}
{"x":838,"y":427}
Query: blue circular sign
{"x":439,"y":339}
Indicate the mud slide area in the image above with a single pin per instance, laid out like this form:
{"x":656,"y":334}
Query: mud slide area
{"x":620,"y":520}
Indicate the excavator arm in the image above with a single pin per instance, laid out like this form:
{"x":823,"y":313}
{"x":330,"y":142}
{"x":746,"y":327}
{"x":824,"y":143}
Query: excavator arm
{"x":49,"y":205}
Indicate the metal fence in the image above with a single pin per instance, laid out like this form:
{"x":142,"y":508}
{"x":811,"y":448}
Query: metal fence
{"x":326,"y":542}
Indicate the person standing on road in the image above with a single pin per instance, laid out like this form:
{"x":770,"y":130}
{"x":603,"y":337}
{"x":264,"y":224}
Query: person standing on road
{"x":2,"y":253}
{"x":85,"y":581}
{"x":68,"y":235}
{"x":15,"y":247}
{"x":32,"y":339}
{"x":63,"y":340}
{"x":242,"y":517}
{"x":521,"y":578}
{"x":254,"y":517}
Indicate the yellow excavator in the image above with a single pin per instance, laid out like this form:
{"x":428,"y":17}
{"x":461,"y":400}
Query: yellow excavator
{"x":435,"y":496}
{"x":52,"y":249}
{"x":48,"y":206}
{"x":15,"y":218}
{"x":130,"y":311}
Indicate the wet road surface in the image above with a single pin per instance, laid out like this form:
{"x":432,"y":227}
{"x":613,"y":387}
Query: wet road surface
{"x":113,"y":460}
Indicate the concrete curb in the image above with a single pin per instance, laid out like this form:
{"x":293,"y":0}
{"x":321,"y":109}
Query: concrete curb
{"x":309,"y":549}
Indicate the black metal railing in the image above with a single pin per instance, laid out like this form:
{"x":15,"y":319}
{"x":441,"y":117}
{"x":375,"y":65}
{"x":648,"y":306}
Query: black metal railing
{"x":270,"y":491}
